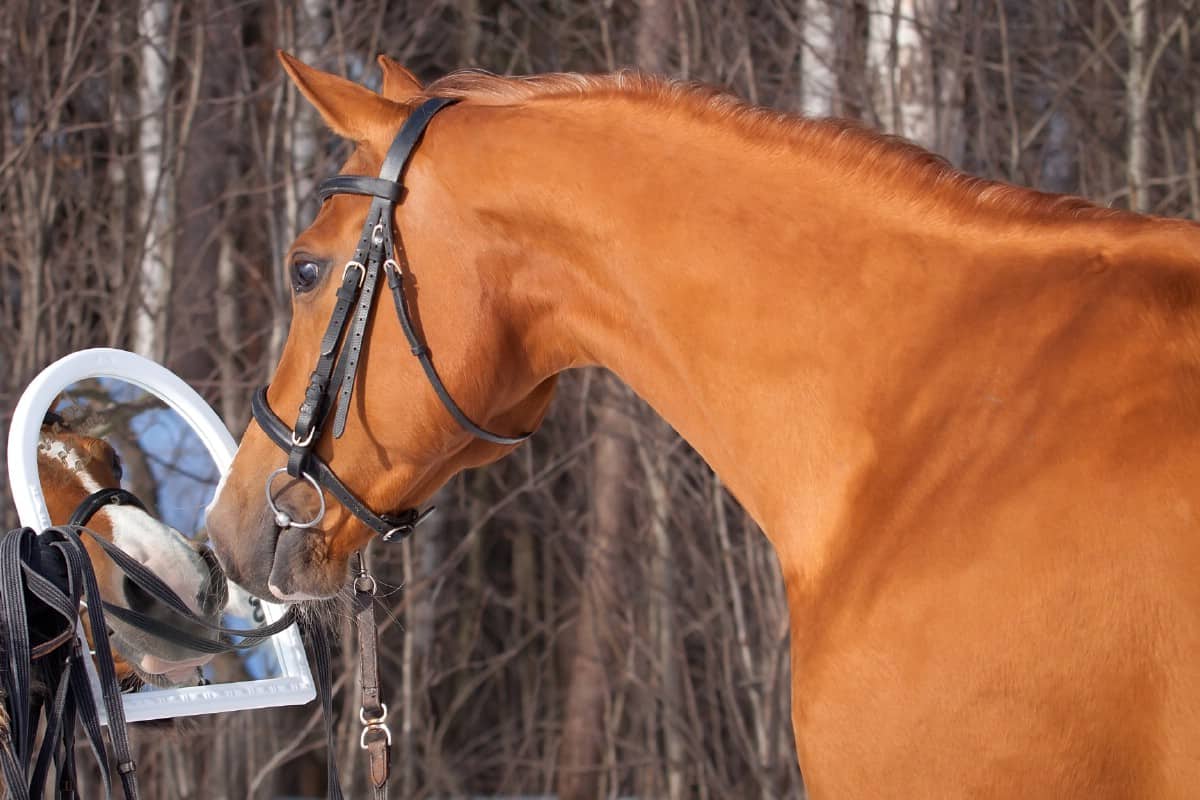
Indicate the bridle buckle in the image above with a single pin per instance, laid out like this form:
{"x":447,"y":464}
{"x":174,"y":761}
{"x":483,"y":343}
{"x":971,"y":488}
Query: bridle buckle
{"x":307,"y":440}
{"x":362,"y":271}
{"x":375,"y":723}
{"x":400,"y":530}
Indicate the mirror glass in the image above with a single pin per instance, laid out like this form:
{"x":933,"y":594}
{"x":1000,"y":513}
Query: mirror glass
{"x":163,"y":463}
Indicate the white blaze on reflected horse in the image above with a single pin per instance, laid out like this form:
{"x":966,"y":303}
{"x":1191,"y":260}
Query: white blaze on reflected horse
{"x":72,"y":466}
{"x":966,"y":415}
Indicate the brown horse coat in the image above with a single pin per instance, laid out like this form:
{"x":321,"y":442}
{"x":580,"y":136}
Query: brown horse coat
{"x":966,"y":415}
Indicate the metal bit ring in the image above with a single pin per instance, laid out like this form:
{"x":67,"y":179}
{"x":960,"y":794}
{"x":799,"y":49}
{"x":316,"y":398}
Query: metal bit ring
{"x":284,"y":519}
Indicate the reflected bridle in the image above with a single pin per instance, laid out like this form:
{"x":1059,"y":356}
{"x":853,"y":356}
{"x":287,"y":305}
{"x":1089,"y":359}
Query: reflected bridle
{"x":332,"y":381}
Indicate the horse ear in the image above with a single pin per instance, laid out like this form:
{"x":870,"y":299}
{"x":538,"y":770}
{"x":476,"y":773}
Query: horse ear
{"x":399,"y":85}
{"x":351,"y":111}
{"x":52,"y":417}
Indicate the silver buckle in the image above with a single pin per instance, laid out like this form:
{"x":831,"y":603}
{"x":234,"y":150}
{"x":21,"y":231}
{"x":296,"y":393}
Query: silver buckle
{"x":282,"y":518}
{"x":373,"y":724}
{"x":307,"y":440}
{"x":403,"y":530}
{"x":377,"y":233}
{"x":362,"y":271}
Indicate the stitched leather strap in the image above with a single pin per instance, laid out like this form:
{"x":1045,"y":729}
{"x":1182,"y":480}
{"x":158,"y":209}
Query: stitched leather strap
{"x":360,"y":184}
{"x":396,"y":283}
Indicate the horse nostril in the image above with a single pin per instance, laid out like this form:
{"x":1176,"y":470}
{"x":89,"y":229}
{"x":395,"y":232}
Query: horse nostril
{"x":136,"y":597}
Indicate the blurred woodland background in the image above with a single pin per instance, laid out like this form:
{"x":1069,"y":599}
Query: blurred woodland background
{"x":593,"y":617}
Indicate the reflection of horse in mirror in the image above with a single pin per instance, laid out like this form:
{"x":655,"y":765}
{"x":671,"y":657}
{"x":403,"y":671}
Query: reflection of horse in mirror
{"x":72,"y":466}
{"x":966,"y":415}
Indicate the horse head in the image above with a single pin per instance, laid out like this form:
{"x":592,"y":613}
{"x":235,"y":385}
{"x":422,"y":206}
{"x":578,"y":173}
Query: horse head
{"x":397,"y":443}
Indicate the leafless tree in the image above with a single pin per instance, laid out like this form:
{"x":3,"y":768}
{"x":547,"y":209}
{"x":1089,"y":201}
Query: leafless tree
{"x":565,"y":627}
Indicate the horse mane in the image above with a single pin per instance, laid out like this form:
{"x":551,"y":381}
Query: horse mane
{"x":844,"y":142}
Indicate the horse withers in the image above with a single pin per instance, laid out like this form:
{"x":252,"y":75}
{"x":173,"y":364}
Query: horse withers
{"x":73,"y":466}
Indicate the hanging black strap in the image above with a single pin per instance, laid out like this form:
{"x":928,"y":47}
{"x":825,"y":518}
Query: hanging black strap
{"x":318,"y":644}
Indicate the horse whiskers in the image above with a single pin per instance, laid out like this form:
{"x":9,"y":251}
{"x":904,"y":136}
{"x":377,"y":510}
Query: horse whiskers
{"x":131,"y":683}
{"x":325,"y":612}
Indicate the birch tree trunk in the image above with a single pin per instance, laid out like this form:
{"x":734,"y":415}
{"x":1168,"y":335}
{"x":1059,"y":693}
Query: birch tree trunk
{"x":897,"y":63}
{"x":157,"y":217}
{"x":583,"y":741}
{"x":818,"y":58}
{"x":1191,"y":134}
{"x":662,"y":620}
{"x":305,"y":31}
{"x":915,"y":69}
{"x":945,"y":26}
{"x":1137,"y":90}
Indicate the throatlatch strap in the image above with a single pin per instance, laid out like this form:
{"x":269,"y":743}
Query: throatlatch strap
{"x":396,"y":284}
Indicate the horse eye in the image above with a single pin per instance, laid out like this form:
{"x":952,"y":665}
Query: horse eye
{"x":305,"y":274}
{"x":117,"y":468}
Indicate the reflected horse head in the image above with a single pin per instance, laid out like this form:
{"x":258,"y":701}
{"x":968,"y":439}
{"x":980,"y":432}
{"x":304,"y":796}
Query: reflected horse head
{"x":73,"y":465}
{"x":399,"y":443}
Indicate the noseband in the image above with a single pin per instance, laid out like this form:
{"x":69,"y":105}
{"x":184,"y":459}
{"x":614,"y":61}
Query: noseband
{"x":332,"y":381}
{"x":97,"y":500}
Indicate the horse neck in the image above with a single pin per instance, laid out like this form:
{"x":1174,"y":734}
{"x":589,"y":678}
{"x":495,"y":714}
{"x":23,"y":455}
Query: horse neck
{"x":756,"y":298}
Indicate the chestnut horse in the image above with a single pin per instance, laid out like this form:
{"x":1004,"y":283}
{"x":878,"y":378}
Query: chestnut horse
{"x":966,"y":415}
{"x":73,"y":465}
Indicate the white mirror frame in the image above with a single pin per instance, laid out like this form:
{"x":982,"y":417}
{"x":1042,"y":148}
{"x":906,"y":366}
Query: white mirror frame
{"x":295,"y":686}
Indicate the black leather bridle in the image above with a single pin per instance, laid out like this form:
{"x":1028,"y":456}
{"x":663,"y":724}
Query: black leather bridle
{"x":330,"y":387}
{"x":97,"y":500}
{"x":332,"y":381}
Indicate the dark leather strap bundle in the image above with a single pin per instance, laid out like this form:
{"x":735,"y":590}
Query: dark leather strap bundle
{"x":42,"y":580}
